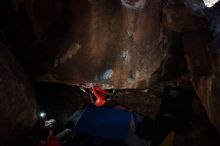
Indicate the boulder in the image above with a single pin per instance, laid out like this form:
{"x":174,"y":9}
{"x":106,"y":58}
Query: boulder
{"x":114,"y":43}
{"x":105,"y":43}
{"x":201,"y":48}
{"x":17,"y":101}
{"x":204,"y":77}
{"x":180,"y":18}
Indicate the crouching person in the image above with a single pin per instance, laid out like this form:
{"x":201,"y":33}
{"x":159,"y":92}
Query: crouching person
{"x":47,"y":137}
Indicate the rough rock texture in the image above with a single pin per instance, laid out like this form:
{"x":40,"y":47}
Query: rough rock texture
{"x":203,"y":61}
{"x":173,"y":63}
{"x":207,"y":83}
{"x":207,"y":87}
{"x":17,"y":101}
{"x":94,"y":41}
{"x":178,"y":17}
{"x":202,"y":57}
{"x":204,"y":76}
{"x":109,"y":44}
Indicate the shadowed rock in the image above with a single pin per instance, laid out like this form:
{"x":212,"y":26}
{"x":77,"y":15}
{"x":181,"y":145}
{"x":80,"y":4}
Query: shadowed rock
{"x":17,"y":100}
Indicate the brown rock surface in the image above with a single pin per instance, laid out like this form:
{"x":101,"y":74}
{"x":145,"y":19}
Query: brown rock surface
{"x":202,"y":54}
{"x":117,"y":46}
{"x":102,"y":41}
{"x":17,"y":100}
{"x":178,"y":17}
{"x":205,"y":81}
{"x":202,"y":61}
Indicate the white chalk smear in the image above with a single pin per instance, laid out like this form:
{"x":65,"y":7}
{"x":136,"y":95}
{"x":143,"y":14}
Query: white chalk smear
{"x":134,"y":5}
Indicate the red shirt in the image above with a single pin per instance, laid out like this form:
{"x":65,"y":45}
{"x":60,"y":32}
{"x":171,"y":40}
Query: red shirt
{"x":100,"y":95}
{"x":51,"y":142}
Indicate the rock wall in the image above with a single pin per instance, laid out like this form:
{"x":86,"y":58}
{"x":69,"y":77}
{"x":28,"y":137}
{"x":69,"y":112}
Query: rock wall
{"x":17,"y":101}
{"x":203,"y":61}
{"x":113,"y":43}
{"x":201,"y":47}
{"x":109,"y":44}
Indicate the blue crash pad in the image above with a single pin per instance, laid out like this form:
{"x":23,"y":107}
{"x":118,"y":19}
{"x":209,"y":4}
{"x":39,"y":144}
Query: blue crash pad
{"x":106,"y":123}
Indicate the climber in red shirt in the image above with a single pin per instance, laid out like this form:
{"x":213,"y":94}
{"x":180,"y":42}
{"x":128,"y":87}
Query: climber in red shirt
{"x":100,"y":94}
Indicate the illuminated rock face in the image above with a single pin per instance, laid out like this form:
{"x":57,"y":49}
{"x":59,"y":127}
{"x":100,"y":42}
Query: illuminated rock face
{"x":115,"y":43}
{"x":210,"y":3}
{"x":104,"y":42}
{"x":18,"y":105}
